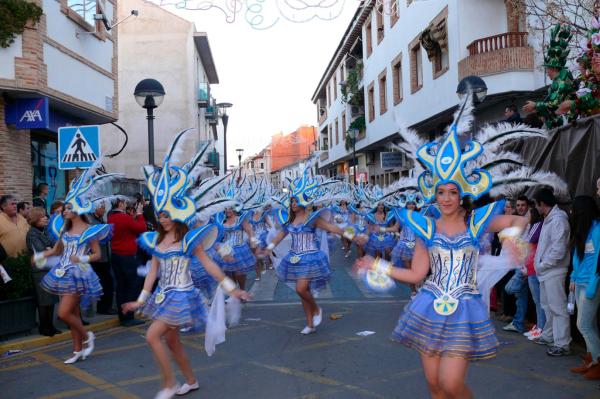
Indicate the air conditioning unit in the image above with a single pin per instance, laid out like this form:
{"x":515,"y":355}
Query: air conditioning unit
{"x":369,"y":158}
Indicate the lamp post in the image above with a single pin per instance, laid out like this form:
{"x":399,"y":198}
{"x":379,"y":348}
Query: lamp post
{"x":353,"y":133}
{"x":149,"y":94}
{"x":225,"y":118}
{"x":472,"y":85}
{"x":240,"y":152}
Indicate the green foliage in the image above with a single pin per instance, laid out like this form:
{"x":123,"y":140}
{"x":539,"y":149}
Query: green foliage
{"x":350,"y":92}
{"x":358,"y":123}
{"x":21,"y":285}
{"x":14,"y":15}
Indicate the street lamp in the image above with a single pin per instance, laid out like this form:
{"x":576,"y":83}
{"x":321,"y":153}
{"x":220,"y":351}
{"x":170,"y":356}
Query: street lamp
{"x":149,"y":94}
{"x":474,"y":85}
{"x":240,"y":152}
{"x":223,"y":108}
{"x":353,"y":133}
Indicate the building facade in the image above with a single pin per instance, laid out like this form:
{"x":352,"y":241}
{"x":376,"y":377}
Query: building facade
{"x":290,"y":149}
{"x":258,"y":165}
{"x":61,"y":71}
{"x":402,"y":66}
{"x":163,"y":46}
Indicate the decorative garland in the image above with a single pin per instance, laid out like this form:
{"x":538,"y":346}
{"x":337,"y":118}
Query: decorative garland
{"x":14,"y":15}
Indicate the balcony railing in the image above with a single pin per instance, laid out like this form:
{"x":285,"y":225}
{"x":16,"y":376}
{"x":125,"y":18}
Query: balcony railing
{"x":203,"y":96}
{"x":498,"y":42}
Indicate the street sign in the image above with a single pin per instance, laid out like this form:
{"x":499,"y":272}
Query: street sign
{"x":78,"y":146}
{"x":390,"y":160}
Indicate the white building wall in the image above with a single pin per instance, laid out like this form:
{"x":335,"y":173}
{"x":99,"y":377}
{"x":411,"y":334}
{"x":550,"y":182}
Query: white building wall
{"x":7,"y":58}
{"x":72,"y":77}
{"x":157,"y":45}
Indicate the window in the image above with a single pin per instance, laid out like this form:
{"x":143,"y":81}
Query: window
{"x":262,"y":165}
{"x":397,"y":78}
{"x":328,"y":95}
{"x":85,"y":9}
{"x":344,"y":125}
{"x":440,"y":61}
{"x":416,"y":66}
{"x":380,"y":27}
{"x":383,"y":92}
{"x":329,"y":136}
{"x":335,"y":86}
{"x":371,"y":98}
{"x":434,"y":39}
{"x":368,"y":37}
{"x":337,"y":134}
{"x":394,"y":12}
{"x":408,"y":2}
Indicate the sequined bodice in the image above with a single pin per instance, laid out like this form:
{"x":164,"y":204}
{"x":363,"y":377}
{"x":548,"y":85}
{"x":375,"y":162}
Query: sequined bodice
{"x":453,"y":265}
{"x":174,"y":271}
{"x":258,"y":227}
{"x":233,"y":235}
{"x":72,"y":246}
{"x":304,"y":239}
{"x":407,"y":234}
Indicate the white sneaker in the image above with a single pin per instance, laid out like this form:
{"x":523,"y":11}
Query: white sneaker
{"x":535,"y":334}
{"x":76,"y":357}
{"x":90,"y":344}
{"x":528,"y":333}
{"x":167,"y":393}
{"x":185,"y":388}
{"x":307,"y":330}
{"x":318,"y":318}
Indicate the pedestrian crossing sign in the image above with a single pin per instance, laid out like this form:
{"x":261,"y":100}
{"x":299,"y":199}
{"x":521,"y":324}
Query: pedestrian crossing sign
{"x":78,"y":146}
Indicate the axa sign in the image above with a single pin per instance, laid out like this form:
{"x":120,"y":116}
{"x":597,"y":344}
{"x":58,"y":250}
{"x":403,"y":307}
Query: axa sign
{"x":28,"y":113}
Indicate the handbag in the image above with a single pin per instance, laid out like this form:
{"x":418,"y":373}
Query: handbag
{"x":515,"y":283}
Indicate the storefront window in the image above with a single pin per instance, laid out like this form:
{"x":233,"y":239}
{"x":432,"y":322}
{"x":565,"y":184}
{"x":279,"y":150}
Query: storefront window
{"x":44,"y":158}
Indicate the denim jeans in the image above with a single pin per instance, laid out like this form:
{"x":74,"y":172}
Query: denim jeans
{"x":586,"y":319}
{"x":534,"y":286}
{"x":522,"y":302}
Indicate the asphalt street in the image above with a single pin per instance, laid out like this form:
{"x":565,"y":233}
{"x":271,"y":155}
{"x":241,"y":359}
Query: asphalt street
{"x":267,"y":357}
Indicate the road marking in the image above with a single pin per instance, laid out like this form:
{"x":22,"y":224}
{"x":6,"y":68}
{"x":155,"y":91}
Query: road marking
{"x":156,"y":377}
{"x":20,"y":366}
{"x":120,"y":348}
{"x":546,"y":378}
{"x":328,"y":301}
{"x":316,"y":378}
{"x":84,"y":376}
{"x":69,"y":394}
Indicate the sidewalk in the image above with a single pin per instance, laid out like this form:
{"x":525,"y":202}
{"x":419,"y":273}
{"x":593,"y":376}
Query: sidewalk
{"x":34,"y":340}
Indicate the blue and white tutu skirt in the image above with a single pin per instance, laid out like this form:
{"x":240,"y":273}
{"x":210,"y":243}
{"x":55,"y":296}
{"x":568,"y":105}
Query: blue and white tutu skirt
{"x":184,"y":309}
{"x":201,"y":279}
{"x":403,"y":253}
{"x":379,"y":242}
{"x":243,"y":260}
{"x":77,"y":279}
{"x":467,"y":333}
{"x":311,"y":265}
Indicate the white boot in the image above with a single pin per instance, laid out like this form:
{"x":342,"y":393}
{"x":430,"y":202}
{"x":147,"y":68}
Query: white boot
{"x":90,"y":344}
{"x":76,"y":357}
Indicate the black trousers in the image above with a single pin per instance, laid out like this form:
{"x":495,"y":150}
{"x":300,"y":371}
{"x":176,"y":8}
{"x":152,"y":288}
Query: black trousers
{"x":129,"y":284}
{"x":102,"y":269}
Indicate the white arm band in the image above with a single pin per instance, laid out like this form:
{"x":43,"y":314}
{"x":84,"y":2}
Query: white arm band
{"x":228,"y":285}
{"x":349,"y":233}
{"x":84,"y":259}
{"x":382,"y":266}
{"x":39,"y":260}
{"x":271,"y":246}
{"x":144,"y":295}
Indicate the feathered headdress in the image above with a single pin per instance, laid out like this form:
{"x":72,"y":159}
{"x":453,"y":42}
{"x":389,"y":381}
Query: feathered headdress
{"x":480,"y":163}
{"x":181,"y":192}
{"x":89,"y":189}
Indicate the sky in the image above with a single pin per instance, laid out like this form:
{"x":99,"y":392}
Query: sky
{"x":268,"y":75}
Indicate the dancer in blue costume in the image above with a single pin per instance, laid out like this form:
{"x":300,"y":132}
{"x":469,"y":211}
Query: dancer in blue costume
{"x":358,"y":220}
{"x":260,"y":223}
{"x":73,"y":279}
{"x":447,"y":321}
{"x":236,"y":256}
{"x":175,"y":302}
{"x":342,"y":219}
{"x":381,"y":237}
{"x":306,"y":264}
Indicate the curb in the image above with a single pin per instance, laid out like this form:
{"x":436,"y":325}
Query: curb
{"x":34,"y":342}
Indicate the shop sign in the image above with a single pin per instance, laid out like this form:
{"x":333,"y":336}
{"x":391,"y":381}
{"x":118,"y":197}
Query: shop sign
{"x":391,"y":160}
{"x":28,"y":113}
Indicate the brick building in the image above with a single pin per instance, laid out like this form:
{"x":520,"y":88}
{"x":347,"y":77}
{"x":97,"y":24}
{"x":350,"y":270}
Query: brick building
{"x":408,"y":62}
{"x":61,"y":71}
{"x":290,"y":149}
